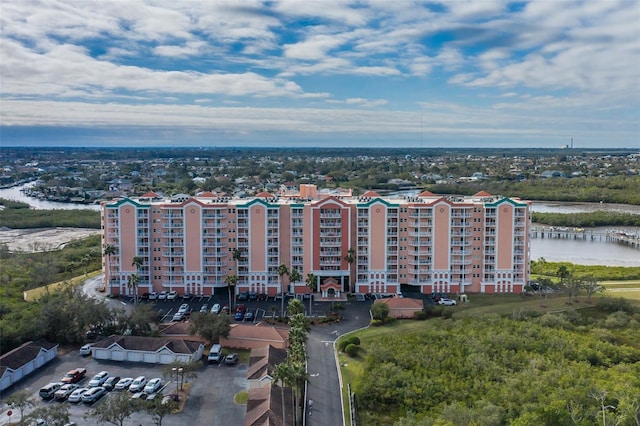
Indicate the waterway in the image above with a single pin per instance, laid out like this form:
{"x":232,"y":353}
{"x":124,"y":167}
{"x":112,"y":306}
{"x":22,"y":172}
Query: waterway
{"x":574,"y":251}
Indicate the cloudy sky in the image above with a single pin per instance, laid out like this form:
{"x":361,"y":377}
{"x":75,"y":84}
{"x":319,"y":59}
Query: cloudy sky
{"x":385,"y":73}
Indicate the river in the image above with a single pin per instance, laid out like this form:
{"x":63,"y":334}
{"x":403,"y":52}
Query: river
{"x":574,"y":251}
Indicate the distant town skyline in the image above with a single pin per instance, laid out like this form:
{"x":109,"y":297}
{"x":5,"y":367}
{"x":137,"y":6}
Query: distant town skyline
{"x":290,"y":73}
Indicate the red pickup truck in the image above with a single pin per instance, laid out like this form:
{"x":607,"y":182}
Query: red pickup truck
{"x":74,"y":376}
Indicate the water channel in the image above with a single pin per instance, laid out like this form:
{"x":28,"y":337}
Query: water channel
{"x":575,"y":251}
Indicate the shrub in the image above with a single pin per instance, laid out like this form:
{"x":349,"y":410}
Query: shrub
{"x":376,"y":323}
{"x":351,"y":350}
{"x":447,"y":313}
{"x":420,"y":315}
{"x":352,"y":340}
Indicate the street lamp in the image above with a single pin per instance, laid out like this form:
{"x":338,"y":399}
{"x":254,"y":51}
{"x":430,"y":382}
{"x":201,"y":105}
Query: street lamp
{"x":175,"y":370}
{"x":181,"y":373}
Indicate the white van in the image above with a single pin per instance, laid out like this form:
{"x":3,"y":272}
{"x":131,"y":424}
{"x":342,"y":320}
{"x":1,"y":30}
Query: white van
{"x":215,"y":354}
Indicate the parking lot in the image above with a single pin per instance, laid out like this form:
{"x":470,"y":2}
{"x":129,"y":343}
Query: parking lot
{"x":261,"y":308}
{"x":210,"y":400}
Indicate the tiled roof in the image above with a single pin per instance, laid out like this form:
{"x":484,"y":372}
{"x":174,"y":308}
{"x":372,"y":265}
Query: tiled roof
{"x":262,"y":361}
{"x":270,"y":406}
{"x":264,"y":194}
{"x":426,"y":194}
{"x":21,"y":355}
{"x":482,"y":194}
{"x":402,"y":303}
{"x":259,"y":331}
{"x":370,"y":194}
{"x":150,"y":344}
{"x":150,"y":194}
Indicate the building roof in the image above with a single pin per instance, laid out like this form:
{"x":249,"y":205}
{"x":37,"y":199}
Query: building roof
{"x":150,"y":194}
{"x":21,"y":355}
{"x":482,"y":194}
{"x":270,"y":406}
{"x":150,"y":344}
{"x":402,"y":303}
{"x":426,"y":194}
{"x":259,"y":331}
{"x":264,"y":194}
{"x":262,"y":361}
{"x":370,"y":194}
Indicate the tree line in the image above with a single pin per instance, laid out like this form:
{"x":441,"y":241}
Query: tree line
{"x":17,"y":215}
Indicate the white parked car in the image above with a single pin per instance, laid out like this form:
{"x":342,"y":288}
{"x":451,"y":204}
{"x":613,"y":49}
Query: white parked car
{"x":184,"y":308}
{"x":85,"y":350}
{"x":124,"y":383}
{"x":172,"y":295}
{"x":178,"y":316}
{"x":93,"y":394}
{"x":447,"y":302}
{"x":215,"y":309}
{"x":153,"y":296}
{"x":138,"y":384}
{"x":76,"y":395}
{"x":152,"y":386}
{"x":163,"y":295}
{"x":99,"y":379}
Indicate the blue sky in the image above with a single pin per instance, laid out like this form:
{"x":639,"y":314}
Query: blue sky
{"x":320,"y":73}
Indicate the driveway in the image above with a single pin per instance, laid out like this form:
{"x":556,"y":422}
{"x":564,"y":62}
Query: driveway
{"x":324,"y":384}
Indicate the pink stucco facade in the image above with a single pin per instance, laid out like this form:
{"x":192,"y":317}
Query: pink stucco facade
{"x":434,"y":243}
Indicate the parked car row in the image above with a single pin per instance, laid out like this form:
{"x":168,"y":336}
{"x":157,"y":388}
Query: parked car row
{"x":98,"y":386}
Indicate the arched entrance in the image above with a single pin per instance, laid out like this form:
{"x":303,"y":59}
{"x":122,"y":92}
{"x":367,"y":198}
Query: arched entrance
{"x":330,"y":287}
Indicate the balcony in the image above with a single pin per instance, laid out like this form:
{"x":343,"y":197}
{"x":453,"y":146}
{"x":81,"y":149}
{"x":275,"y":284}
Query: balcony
{"x":420,"y":252}
{"x":169,"y":263}
{"x":172,"y":216}
{"x":330,"y":215}
{"x":175,"y":253}
{"x":173,"y":234}
{"x":216,"y":244}
{"x":209,"y":263}
{"x":420,"y":234}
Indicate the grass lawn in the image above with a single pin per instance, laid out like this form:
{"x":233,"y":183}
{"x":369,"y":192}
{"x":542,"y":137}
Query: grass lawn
{"x":36,"y":293}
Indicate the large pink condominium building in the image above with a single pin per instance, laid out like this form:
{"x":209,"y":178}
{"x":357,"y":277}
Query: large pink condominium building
{"x":335,"y":241}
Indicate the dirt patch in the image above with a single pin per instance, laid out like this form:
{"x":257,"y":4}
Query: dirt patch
{"x":42,"y":239}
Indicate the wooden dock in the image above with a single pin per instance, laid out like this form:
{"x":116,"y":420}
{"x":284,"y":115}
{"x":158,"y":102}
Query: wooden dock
{"x":564,"y":233}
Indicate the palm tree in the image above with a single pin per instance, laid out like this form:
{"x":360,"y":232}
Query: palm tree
{"x":231,"y":281}
{"x":134,"y":281}
{"x":295,"y":307}
{"x":294,"y":276}
{"x":350,"y":258}
{"x":236,"y":254}
{"x":564,"y":274}
{"x":282,"y":271}
{"x":311,"y":281}
{"x":109,"y":249}
{"x":137,"y":261}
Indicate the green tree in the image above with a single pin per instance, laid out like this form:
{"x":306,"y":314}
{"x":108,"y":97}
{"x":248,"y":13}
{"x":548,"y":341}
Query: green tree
{"x":294,"y":276}
{"x":21,"y":401}
{"x":52,"y":414}
{"x":312,"y":282}
{"x":209,"y":327}
{"x":379,"y":311}
{"x":591,"y":286}
{"x":295,"y":307}
{"x":231,"y":281}
{"x":158,"y":409}
{"x":282,"y":271}
{"x":350,"y":258}
{"x":134,"y":279}
{"x":113,"y":410}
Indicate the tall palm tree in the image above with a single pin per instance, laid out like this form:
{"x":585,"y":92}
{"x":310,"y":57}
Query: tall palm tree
{"x":134,"y":281}
{"x":311,"y":281}
{"x":295,"y":307}
{"x":137,"y":261}
{"x":109,"y":249}
{"x":282,"y":271}
{"x":231,"y":281}
{"x":294,"y":276}
{"x":350,"y":258}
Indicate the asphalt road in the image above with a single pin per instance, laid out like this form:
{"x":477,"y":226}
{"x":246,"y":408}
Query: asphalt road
{"x":324,"y":384}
